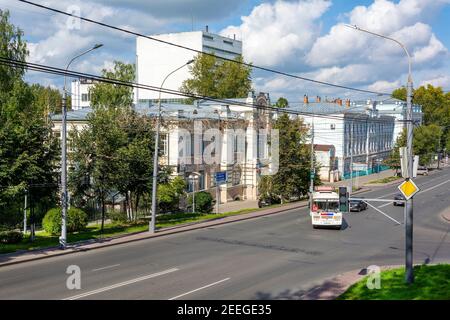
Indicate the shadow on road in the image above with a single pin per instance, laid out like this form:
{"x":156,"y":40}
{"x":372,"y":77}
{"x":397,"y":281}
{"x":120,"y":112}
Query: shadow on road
{"x":328,"y":290}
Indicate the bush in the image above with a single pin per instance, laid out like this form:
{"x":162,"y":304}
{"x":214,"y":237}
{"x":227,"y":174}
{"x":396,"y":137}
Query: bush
{"x":203,"y":202}
{"x":10,"y":237}
{"x":76,"y":220}
{"x":118,"y":216}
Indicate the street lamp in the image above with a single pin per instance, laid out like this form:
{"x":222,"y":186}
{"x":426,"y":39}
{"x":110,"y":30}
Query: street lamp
{"x":194,"y":176}
{"x":63,"y":237}
{"x":156,"y":151}
{"x":409,"y":119}
{"x":220,"y":160}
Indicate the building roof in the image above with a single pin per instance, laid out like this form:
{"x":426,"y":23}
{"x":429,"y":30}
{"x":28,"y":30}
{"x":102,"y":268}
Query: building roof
{"x":323,"y":147}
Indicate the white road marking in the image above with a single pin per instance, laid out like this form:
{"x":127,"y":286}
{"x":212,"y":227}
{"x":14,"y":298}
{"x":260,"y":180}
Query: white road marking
{"x":384,"y":205}
{"x":419,"y":193}
{"x":204,"y":287}
{"x":433,"y":187}
{"x":108,"y":267}
{"x":121,"y":284}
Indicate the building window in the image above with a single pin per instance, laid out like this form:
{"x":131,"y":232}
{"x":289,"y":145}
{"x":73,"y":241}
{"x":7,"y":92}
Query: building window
{"x":228,"y":42}
{"x":165,"y":144}
{"x":207,"y":37}
{"x":84,"y":97}
{"x":332,"y":126}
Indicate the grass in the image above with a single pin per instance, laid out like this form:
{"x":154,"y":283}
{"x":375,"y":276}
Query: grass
{"x":431,"y":283}
{"x":385,"y":180}
{"x":45,"y":240}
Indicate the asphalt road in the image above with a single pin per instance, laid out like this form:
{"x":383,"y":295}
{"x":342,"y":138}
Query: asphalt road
{"x":271,"y":257}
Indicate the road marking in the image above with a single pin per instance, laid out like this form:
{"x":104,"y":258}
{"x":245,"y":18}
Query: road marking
{"x":121,"y":284}
{"x":108,"y":267}
{"x":433,"y":187}
{"x":204,"y":287}
{"x":384,"y":205}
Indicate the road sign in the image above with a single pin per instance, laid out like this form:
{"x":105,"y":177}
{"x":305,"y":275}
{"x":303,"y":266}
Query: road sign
{"x":404,"y":162}
{"x":221,"y":177}
{"x":408,"y":189}
{"x":415,"y":166}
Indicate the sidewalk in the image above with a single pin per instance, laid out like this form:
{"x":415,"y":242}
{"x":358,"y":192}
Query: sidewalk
{"x":363,"y":180}
{"x":238,"y":205}
{"x":19,"y":257}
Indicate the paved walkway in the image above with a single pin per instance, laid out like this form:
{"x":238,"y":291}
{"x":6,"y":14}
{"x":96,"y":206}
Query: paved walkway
{"x":364,"y":180}
{"x":238,"y":205}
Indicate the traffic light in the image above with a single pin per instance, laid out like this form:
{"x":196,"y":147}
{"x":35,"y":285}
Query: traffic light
{"x":343,"y":199}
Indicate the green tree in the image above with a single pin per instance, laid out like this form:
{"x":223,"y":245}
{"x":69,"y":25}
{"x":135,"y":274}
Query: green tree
{"x":426,"y":142}
{"x":393,"y":160}
{"x":28,"y":150}
{"x":169,"y":194}
{"x":47,"y":100}
{"x":292,"y":178}
{"x":216,"y":78}
{"x":112,"y":95}
{"x":282,"y":103}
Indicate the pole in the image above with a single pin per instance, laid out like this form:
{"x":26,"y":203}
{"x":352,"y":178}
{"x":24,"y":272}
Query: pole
{"x":25,"y":214}
{"x":409,"y":274}
{"x":351,"y":158}
{"x":193,"y":195}
{"x":312,"y":173}
{"x":152,"y":224}
{"x":63,"y":237}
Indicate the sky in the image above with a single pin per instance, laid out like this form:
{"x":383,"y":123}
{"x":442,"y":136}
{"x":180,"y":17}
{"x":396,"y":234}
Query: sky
{"x":307,"y":38}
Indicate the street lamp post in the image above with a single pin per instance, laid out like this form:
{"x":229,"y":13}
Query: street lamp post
{"x":193,"y":177}
{"x":409,"y":277}
{"x":152,"y":224}
{"x":220,"y":160}
{"x":64,"y":198}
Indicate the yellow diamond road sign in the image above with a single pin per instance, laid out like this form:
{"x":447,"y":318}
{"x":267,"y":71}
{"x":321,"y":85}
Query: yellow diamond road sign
{"x":408,"y":189}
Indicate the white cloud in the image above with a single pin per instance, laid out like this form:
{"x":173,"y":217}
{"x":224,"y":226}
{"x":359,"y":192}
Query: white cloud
{"x":279,"y":33}
{"x":440,"y":81}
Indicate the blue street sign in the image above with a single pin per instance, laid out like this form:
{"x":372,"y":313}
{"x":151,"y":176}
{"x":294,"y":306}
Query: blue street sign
{"x":221,"y":177}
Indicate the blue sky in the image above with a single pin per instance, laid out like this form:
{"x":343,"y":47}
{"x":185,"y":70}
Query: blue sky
{"x":303,"y":37}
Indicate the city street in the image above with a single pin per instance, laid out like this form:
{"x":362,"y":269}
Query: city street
{"x":271,"y":257}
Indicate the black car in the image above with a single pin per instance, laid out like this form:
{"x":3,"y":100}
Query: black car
{"x":399,"y":196}
{"x":357,"y":205}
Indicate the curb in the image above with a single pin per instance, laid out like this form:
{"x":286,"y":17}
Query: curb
{"x":98,"y":244}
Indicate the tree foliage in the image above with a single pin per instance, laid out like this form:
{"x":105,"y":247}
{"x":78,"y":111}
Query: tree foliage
{"x":216,"y":78}
{"x":282,"y":103}
{"x":114,"y":151}
{"x":292,"y":178}
{"x":28,"y":150}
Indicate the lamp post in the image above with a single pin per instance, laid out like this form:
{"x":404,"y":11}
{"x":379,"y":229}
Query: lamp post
{"x":194,"y":176}
{"x":409,"y":277}
{"x":220,"y":160}
{"x":152,"y":224}
{"x":63,"y":237}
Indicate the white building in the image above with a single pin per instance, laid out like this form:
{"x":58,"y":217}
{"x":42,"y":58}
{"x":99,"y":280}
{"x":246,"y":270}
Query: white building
{"x":397,"y":109}
{"x":155,"y":60}
{"x":359,"y":134}
{"x":80,"y":95}
{"x":243,"y":143}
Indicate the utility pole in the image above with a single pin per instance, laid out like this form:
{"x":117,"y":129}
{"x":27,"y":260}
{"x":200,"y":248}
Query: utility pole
{"x":312,"y":172}
{"x":409,"y":277}
{"x":409,"y":274}
{"x":25,"y":213}
{"x":351,"y":158}
{"x":152,"y":224}
{"x":64,"y":198}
